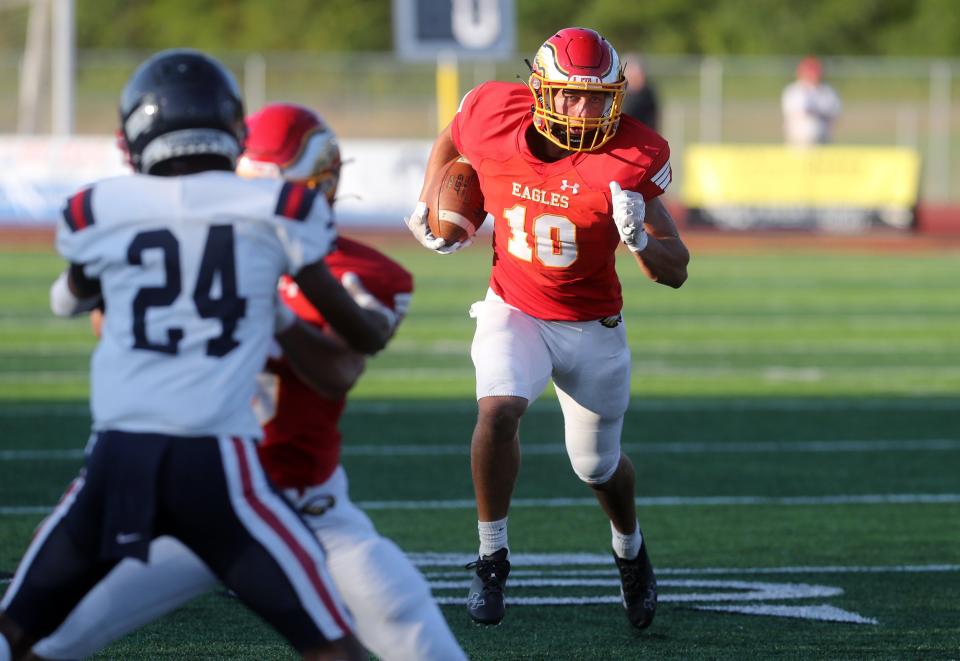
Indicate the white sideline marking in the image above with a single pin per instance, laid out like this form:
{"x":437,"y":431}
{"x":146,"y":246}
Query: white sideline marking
{"x":678,"y":501}
{"x":402,"y":346}
{"x":706,"y":571}
{"x":821,"y":612}
{"x":547,"y":571}
{"x":778,"y":373}
{"x":679,"y":447}
{"x":926,"y":402}
{"x":458,"y":560}
{"x":666,"y":501}
{"x":723,"y":595}
{"x":735,"y":590}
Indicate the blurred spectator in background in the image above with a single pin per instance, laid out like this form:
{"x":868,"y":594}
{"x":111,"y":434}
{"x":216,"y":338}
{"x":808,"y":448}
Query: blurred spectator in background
{"x":810,"y":106}
{"x":640,"y":101}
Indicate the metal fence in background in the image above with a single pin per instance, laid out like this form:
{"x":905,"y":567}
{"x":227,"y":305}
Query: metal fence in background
{"x":908,"y":102}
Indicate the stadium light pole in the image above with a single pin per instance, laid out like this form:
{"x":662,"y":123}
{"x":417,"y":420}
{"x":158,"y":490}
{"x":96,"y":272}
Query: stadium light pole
{"x":63,"y":63}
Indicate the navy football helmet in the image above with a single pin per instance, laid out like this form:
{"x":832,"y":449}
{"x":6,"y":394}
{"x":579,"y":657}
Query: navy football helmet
{"x":178,"y":104}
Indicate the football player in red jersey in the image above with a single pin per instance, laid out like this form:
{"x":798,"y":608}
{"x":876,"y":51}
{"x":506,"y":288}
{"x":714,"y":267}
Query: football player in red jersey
{"x":395,"y":615}
{"x":567,"y":179}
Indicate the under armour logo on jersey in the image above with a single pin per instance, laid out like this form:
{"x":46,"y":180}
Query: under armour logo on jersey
{"x":612,"y":321}
{"x":573,"y":187}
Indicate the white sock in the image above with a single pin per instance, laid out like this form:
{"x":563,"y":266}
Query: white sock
{"x":627,"y":546}
{"x":493,"y":536}
{"x":5,"y":653}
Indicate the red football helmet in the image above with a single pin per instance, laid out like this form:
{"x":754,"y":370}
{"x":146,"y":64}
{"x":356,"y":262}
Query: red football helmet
{"x":576,"y":59}
{"x":293,"y":142}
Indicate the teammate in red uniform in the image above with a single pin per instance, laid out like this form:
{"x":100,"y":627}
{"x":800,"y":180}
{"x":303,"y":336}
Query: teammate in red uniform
{"x":565,"y":183}
{"x":395,"y":615}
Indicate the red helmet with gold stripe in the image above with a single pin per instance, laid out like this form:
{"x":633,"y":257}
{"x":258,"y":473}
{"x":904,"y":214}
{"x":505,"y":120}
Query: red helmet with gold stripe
{"x":576,"y":59}
{"x":289,"y":141}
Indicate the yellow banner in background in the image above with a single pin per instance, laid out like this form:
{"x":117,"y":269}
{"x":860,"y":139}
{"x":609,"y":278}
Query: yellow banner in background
{"x":780,"y":176}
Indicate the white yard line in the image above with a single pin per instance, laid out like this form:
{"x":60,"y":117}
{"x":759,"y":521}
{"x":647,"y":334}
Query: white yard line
{"x":679,"y":447}
{"x":418,"y":347}
{"x":455,"y":561}
{"x":936,"y":402}
{"x":809,"y":373}
{"x":833,"y":347}
{"x":680,"y":501}
{"x":665,"y":501}
{"x":729,"y":589}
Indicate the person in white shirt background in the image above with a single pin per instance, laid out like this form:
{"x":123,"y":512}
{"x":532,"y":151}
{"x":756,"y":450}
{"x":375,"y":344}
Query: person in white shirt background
{"x":810,"y":106}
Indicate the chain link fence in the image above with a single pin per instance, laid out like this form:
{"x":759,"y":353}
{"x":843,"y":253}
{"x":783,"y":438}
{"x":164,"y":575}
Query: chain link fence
{"x":906,"y":102}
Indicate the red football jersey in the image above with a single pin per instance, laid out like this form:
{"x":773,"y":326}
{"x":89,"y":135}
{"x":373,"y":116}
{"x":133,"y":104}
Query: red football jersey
{"x":301,"y":443}
{"x":554,"y":239}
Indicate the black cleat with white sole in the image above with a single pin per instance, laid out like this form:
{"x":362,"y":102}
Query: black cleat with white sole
{"x":638,"y":588}
{"x":485,"y":600}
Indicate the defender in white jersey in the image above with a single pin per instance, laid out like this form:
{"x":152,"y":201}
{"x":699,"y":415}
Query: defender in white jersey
{"x":186,"y":257}
{"x":396,"y":617}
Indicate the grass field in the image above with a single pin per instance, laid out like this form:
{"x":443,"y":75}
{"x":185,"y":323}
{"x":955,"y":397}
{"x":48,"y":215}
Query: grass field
{"x":795,"y":424}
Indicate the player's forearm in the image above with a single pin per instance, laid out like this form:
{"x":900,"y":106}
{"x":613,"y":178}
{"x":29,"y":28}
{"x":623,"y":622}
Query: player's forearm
{"x":442,"y":152}
{"x":665,"y":260}
{"x":365,"y":331}
{"x":321,"y":362}
{"x":665,"y":257}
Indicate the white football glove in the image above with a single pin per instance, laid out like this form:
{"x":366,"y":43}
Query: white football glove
{"x":351,"y":282}
{"x":417,"y":224}
{"x":629,"y":210}
{"x":64,"y":303}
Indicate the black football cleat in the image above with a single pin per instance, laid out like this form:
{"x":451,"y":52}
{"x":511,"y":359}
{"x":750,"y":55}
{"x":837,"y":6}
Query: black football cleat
{"x":638,"y":588}
{"x":485,"y":600}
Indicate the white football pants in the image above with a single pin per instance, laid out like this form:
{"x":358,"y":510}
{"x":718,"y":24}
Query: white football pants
{"x":516,"y":354}
{"x":395,"y":614}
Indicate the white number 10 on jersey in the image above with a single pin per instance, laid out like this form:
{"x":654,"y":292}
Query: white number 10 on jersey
{"x":555,"y":238}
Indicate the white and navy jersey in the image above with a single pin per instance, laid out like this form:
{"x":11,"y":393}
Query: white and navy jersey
{"x":188,"y":268}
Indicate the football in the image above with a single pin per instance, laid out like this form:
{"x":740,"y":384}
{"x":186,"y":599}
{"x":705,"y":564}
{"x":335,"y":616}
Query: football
{"x":455,"y":202}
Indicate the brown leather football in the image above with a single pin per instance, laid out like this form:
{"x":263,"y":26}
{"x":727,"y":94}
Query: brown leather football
{"x":455,"y":202}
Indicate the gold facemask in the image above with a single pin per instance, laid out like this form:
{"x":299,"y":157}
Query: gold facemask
{"x":576,"y":134}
